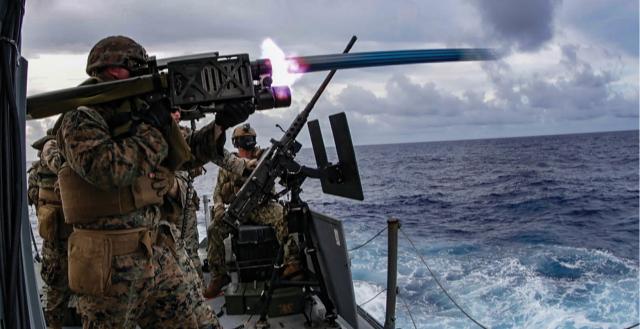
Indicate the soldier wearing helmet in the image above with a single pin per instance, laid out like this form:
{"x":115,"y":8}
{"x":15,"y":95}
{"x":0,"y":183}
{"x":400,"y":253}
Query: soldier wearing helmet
{"x":244,"y":139}
{"x":119,"y":191}
{"x":116,"y":55}
{"x":271,"y":213}
{"x":52,"y":229}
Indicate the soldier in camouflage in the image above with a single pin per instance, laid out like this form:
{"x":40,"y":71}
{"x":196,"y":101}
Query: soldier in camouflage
{"x":52,"y":229}
{"x":271,"y":213}
{"x":190,"y":202}
{"x":123,"y":260}
{"x":187,"y":231}
{"x":32,"y":182}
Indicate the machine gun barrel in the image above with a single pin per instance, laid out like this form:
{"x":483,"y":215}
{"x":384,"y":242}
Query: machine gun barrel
{"x":306,"y":64}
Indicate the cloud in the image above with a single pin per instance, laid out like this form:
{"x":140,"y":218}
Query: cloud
{"x":312,"y":27}
{"x":577,"y":92}
{"x":611,"y":24}
{"x":521,"y":24}
{"x":563,"y":63}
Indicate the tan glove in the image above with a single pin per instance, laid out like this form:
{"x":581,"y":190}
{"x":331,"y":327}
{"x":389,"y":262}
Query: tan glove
{"x":251,"y":164}
{"x":218,"y":212}
{"x":164,"y":182}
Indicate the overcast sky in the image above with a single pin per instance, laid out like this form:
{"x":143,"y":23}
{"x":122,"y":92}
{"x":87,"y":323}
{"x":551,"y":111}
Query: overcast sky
{"x":569,"y":66}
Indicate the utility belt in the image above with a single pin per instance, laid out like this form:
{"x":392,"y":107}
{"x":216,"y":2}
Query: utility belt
{"x":91,"y":253}
{"x":84,"y":203}
{"x":51,"y":225}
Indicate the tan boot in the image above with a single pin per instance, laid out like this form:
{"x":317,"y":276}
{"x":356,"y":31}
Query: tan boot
{"x":214,"y":289}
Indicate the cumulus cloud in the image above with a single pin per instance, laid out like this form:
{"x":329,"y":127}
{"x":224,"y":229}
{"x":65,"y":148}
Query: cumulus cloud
{"x":578,"y":92}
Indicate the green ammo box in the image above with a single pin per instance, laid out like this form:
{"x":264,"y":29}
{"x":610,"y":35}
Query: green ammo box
{"x":246,"y":300}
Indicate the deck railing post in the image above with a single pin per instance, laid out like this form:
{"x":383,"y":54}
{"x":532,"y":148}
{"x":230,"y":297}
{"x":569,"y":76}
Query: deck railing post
{"x":207,"y":211}
{"x":392,"y":273}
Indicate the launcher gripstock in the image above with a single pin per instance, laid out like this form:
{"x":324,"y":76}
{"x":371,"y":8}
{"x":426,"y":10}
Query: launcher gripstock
{"x":203,"y":83}
{"x":206,"y":82}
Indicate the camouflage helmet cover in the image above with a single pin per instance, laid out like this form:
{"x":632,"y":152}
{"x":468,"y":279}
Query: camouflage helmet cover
{"x":39,"y":144}
{"x":116,"y":51}
{"x":243,"y":130}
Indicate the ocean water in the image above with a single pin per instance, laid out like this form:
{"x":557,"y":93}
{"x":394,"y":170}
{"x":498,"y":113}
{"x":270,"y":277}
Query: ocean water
{"x":534,"y":232}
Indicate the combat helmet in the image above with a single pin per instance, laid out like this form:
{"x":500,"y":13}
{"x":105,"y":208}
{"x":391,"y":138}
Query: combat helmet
{"x":39,"y":144}
{"x":244,"y":137}
{"x":116,"y":50}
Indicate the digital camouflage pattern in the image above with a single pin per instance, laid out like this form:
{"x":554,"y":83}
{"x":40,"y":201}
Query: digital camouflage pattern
{"x":201,"y":309}
{"x":149,"y":292}
{"x":51,"y":155}
{"x":152,"y":292}
{"x":116,"y":51}
{"x":227,"y":160}
{"x":191,"y":204}
{"x":54,"y":274}
{"x":43,"y":175}
{"x":271,"y":213}
{"x":32,"y":183}
{"x":188,"y":224}
{"x":188,"y":227}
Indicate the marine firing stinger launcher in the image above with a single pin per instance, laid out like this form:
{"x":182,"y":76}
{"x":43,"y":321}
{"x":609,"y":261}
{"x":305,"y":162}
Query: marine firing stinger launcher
{"x":206,"y":82}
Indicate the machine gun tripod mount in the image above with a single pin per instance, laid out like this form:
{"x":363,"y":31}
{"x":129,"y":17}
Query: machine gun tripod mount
{"x":317,"y":231}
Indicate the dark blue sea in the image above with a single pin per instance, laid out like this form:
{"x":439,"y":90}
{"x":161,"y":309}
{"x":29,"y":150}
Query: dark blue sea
{"x":533,"y":232}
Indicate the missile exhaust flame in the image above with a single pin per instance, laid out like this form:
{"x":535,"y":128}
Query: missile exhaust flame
{"x":279,"y":64}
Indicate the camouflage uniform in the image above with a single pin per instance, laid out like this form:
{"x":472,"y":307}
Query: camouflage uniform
{"x":271,"y":213}
{"x":54,"y":246}
{"x":190,"y":202}
{"x":149,"y":291}
{"x":123,"y":255}
{"x":32,"y":182}
{"x":187,"y":244}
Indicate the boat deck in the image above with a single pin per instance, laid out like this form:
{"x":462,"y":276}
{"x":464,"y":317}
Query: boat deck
{"x":283,"y":322}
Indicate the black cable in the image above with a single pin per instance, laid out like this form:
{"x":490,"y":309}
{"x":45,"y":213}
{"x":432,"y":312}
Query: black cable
{"x":438,"y":282}
{"x":372,"y":298}
{"x":35,"y":246}
{"x":366,"y":243}
{"x":633,"y":326}
{"x":408,"y":310}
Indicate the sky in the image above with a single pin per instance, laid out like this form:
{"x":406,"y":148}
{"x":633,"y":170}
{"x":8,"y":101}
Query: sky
{"x":567,"y":67}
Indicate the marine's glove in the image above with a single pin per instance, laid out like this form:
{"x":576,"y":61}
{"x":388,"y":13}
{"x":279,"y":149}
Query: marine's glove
{"x":234,"y":113}
{"x":157,"y":115}
{"x":163,"y":181}
{"x":249,"y":165}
